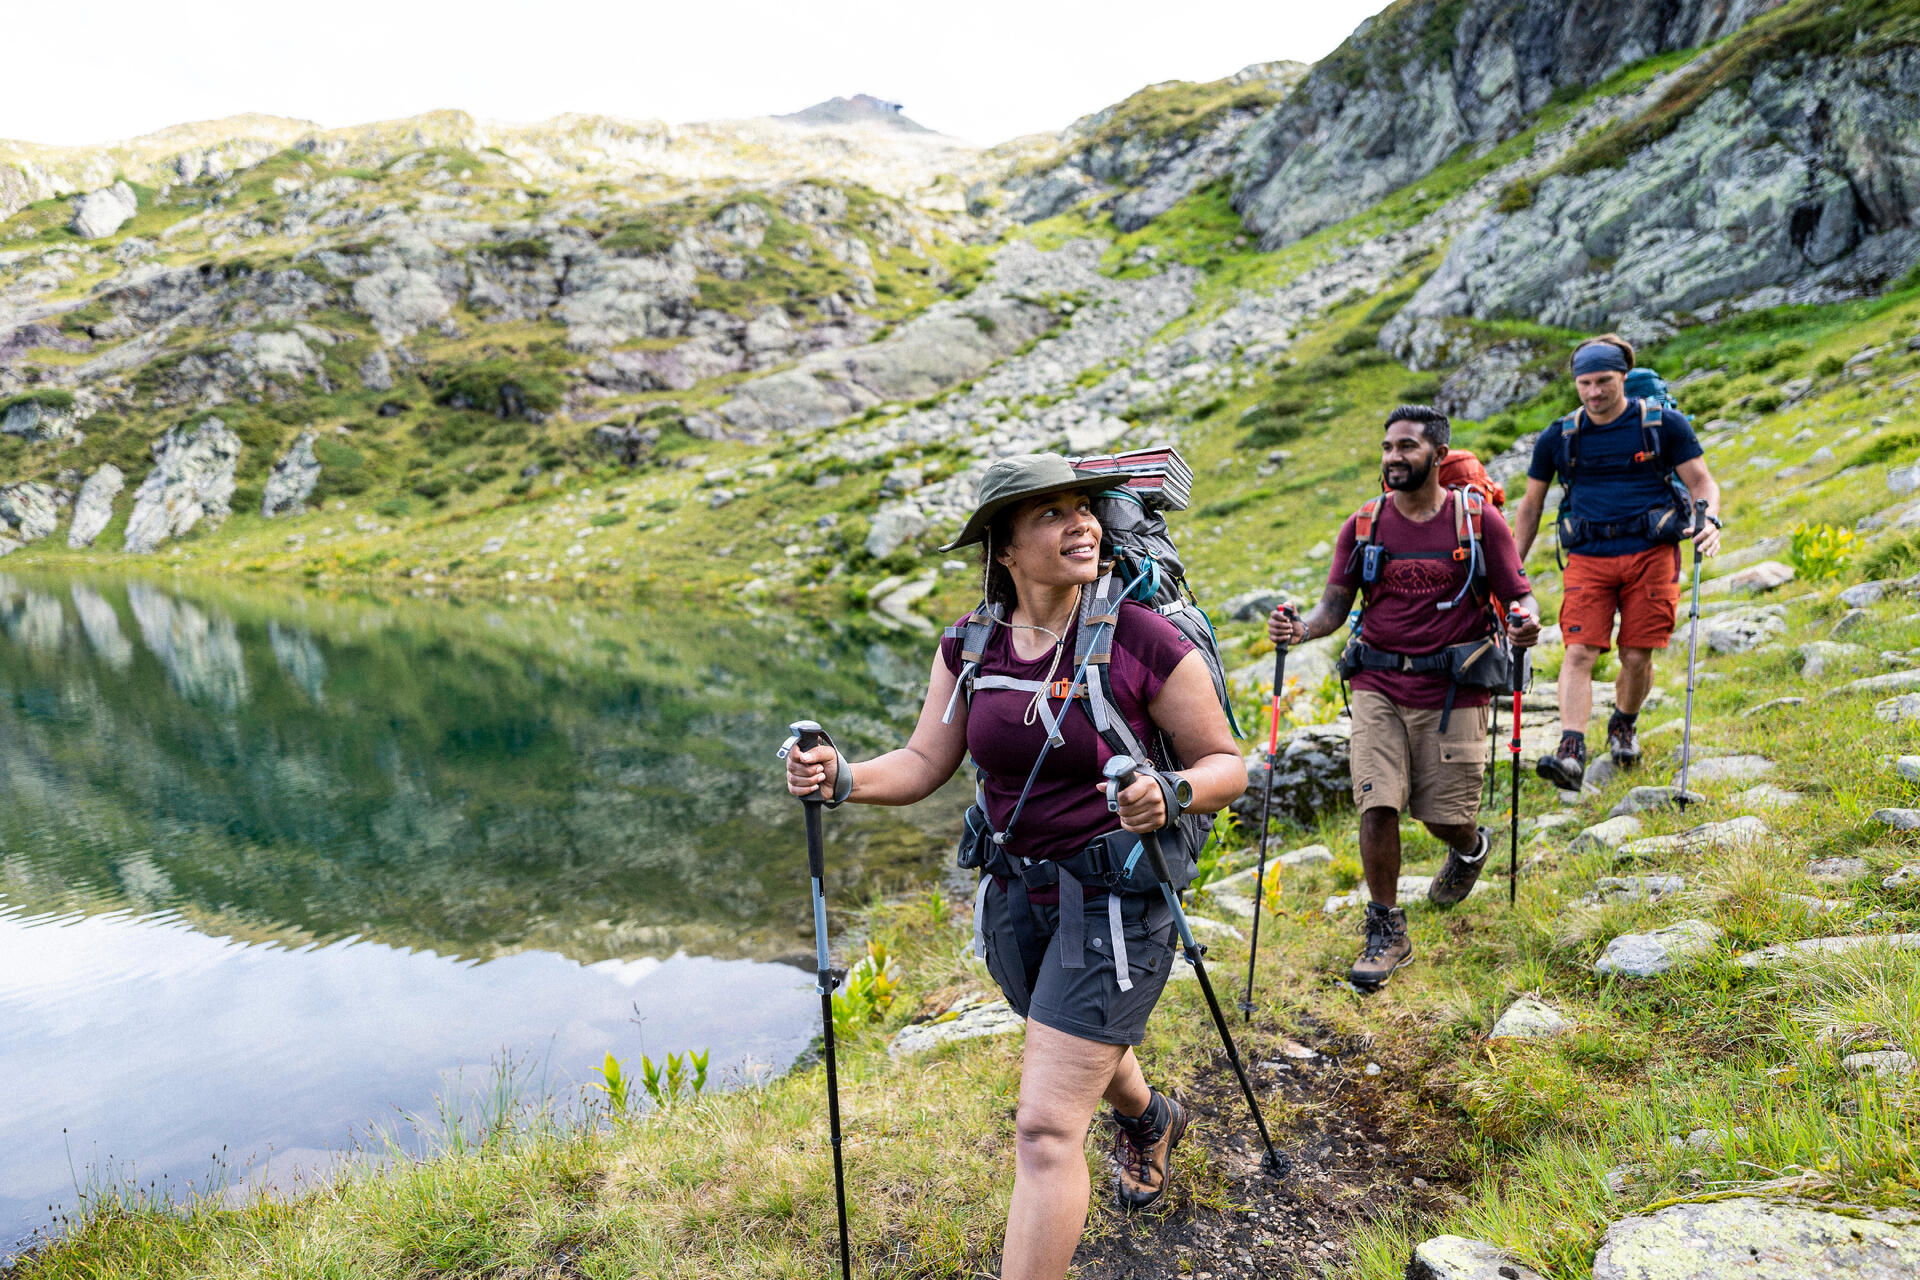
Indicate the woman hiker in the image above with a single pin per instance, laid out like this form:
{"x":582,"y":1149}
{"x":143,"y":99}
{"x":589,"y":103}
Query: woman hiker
{"x":1040,"y":552}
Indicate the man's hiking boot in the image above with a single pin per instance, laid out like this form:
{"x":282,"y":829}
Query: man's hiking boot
{"x":1387,"y":947}
{"x":1143,"y":1152}
{"x":1623,"y":740}
{"x":1567,"y":766}
{"x":1456,"y":877}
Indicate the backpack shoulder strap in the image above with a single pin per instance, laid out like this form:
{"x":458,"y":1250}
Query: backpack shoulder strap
{"x":1649,"y":432}
{"x":973,"y":631}
{"x":1366,"y":518}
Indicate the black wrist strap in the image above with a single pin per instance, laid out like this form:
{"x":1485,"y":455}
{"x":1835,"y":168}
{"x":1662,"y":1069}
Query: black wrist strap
{"x":842,"y":774}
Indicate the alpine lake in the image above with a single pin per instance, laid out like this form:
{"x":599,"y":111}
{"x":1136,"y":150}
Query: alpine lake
{"x":291,"y":879}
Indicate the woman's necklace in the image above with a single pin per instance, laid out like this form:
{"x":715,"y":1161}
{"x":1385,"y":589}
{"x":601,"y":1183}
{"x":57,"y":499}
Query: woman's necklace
{"x":1053,"y":668}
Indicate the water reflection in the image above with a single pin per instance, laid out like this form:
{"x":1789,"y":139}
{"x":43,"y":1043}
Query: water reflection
{"x":271,"y":865}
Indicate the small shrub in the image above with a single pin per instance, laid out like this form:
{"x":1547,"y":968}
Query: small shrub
{"x":639,"y":237}
{"x":433,"y":487}
{"x":607,"y":519}
{"x":984,"y":323}
{"x":1345,"y":870}
{"x":1766,"y":401}
{"x":1829,"y":366}
{"x":1516,"y":197}
{"x":1364,"y":338}
{"x":393,"y":508}
{"x":868,"y":991}
{"x":1421,"y":392}
{"x":1208,"y":409}
{"x":1886,"y":448}
{"x":1896,"y":558}
{"x":1767,"y":357}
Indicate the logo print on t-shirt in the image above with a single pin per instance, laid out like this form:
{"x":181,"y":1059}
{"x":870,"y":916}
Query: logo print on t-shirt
{"x":1420,"y":577}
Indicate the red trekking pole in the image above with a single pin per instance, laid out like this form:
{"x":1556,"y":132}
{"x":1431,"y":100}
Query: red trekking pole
{"x":1266,"y":813}
{"x":1515,"y":614}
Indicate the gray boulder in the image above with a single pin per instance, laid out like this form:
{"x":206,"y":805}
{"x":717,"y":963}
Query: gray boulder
{"x":376,"y":371}
{"x":401,"y":301}
{"x":1645,"y":955}
{"x":1529,"y":1018}
{"x":31,"y":509}
{"x":1898,"y":709}
{"x":191,"y":480}
{"x":1604,"y":837}
{"x":970,"y":1019}
{"x":93,"y":509}
{"x":292,"y":479}
{"x":1808,"y":948}
{"x":37,"y":421}
{"x":1818,"y":657}
{"x":1458,"y":1258}
{"x":1641,"y":799}
{"x":893,"y":528}
{"x":1495,"y":378}
{"x":1759,"y":1239}
{"x":101,"y":213}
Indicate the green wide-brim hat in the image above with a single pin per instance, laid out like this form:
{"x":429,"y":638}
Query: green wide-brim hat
{"x":1011,"y":480}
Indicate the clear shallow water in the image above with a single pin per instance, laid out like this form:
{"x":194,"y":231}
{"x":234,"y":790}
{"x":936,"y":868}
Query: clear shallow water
{"x":275,"y":870}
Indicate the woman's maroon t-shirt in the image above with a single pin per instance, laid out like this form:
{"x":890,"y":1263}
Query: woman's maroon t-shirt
{"x":1064,"y":810}
{"x":1403,"y":613}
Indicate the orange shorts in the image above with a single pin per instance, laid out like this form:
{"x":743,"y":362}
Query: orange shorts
{"x":1643,"y":590}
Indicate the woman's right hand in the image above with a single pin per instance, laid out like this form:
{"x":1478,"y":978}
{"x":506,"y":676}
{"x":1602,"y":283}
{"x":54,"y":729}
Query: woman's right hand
{"x":811,"y":770}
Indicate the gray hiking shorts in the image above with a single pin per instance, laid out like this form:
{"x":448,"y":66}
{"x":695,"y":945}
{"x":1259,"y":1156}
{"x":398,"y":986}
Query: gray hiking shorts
{"x":1090,"y":1001}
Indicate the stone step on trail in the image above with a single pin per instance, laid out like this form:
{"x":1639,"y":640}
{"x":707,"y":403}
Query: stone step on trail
{"x":1643,"y":799}
{"x":1634,"y":888}
{"x":1738,"y":768}
{"x":1813,"y":948}
{"x":1607,"y":836}
{"x":1745,"y":831}
{"x":1882,"y":1064}
{"x":1837,"y":870}
{"x":1756,"y":1239}
{"x":1907,"y":877}
{"x":1767,"y":796}
{"x":1529,"y":1018}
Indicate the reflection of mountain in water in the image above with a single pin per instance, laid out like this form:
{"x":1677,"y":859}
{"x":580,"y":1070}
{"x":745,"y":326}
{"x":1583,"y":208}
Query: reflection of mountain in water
{"x":431,"y":775}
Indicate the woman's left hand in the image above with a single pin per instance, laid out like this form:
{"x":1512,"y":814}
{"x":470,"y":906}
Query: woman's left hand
{"x":1143,"y":806}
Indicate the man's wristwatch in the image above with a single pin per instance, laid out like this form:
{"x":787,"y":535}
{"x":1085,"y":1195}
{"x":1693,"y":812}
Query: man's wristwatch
{"x":1182,"y":792}
{"x":1714,"y":520}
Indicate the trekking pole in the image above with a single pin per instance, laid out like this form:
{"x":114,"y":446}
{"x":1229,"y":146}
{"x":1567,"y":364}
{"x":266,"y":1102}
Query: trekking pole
{"x":807,"y":735}
{"x":1120,"y":772}
{"x":1266,"y":813}
{"x":1693,"y":639}
{"x":1513,"y":748}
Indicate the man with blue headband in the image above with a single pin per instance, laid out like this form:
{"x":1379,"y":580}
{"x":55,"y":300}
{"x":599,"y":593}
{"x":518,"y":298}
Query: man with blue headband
{"x":1632,"y":470}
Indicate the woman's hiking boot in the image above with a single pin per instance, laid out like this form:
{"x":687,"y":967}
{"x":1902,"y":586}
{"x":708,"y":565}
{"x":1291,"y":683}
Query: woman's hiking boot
{"x":1457,"y":876}
{"x":1567,"y":766}
{"x":1623,"y":740}
{"x":1143,"y":1151}
{"x":1387,"y":947}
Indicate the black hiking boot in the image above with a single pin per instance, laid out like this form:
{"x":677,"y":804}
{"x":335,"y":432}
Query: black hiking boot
{"x":1623,"y":740}
{"x":1567,"y":766}
{"x":1143,"y":1152}
{"x":1386,"y":949}
{"x":1457,"y":876}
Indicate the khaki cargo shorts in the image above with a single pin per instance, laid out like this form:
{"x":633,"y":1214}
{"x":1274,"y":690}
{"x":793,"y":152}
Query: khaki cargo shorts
{"x":1402,"y":761}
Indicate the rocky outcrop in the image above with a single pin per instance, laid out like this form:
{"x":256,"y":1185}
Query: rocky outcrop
{"x":1460,"y":1258}
{"x":1798,"y":185}
{"x":38,"y":420}
{"x":30,"y":510}
{"x":1414,"y":85}
{"x":1311,"y":777}
{"x":1761,"y":1238}
{"x":192,"y":479}
{"x":1145,"y":155}
{"x":1502,"y":375}
{"x":292,"y":480}
{"x":93,"y":509}
{"x":101,"y":213}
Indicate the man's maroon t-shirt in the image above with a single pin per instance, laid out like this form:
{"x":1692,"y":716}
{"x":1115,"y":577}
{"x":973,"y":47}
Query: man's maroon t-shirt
{"x":1064,"y":811}
{"x":1401,"y":609}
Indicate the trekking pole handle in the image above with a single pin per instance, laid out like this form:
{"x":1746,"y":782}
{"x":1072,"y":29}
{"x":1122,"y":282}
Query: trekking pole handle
{"x":806,"y":735}
{"x":1699,"y":517}
{"x":1120,"y":774}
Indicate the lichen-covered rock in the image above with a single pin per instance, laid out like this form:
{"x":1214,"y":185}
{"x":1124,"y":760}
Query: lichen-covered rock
{"x":1810,"y":948}
{"x":93,"y":509}
{"x":401,"y":301}
{"x":191,"y":480}
{"x":1310,"y":778}
{"x":970,"y":1019}
{"x":1743,"y":832}
{"x":1818,"y":657}
{"x":1459,"y":1258}
{"x":1603,"y":837}
{"x":1529,"y":1018}
{"x":38,"y":420}
{"x":1645,"y":955}
{"x":292,"y":480}
{"x":101,"y":213}
{"x":1491,"y":380}
{"x":1758,"y":1239}
{"x":893,"y":527}
{"x":31,"y":509}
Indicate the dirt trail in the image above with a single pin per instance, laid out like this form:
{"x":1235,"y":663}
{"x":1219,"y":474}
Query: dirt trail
{"x":1349,"y":1164}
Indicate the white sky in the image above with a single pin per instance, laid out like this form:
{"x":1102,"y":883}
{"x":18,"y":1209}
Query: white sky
{"x":985,"y":70}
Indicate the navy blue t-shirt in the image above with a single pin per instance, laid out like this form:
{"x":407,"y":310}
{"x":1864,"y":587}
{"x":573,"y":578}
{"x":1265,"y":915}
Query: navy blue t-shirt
{"x":1610,"y":486}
